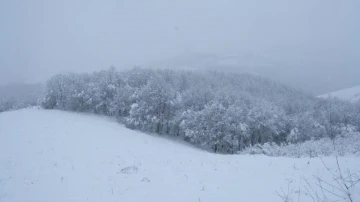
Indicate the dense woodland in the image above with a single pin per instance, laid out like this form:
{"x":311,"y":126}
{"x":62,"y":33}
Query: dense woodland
{"x":219,"y":112}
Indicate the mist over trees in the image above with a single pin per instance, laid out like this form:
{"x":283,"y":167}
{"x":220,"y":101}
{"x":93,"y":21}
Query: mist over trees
{"x":19,"y":95}
{"x":219,"y":112}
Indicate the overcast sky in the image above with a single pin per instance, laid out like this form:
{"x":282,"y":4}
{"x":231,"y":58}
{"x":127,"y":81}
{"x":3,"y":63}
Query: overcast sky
{"x":39,"y":38}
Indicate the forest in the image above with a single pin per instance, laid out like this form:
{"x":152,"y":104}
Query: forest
{"x":215,"y":111}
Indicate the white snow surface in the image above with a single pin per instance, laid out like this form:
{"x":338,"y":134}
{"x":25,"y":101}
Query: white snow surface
{"x":349,"y":94}
{"x":49,"y":155}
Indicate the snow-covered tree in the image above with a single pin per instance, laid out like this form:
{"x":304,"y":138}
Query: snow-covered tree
{"x":216,"y":111}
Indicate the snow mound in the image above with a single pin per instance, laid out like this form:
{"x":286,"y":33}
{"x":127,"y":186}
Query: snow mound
{"x":49,"y":155}
{"x":130,"y":170}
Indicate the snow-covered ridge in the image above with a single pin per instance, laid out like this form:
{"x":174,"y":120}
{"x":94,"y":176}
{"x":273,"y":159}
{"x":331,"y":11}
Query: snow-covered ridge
{"x":50,"y":155}
{"x":349,"y":94}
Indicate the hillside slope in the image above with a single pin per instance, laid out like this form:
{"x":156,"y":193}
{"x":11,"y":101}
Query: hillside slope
{"x":349,"y":94}
{"x":49,"y":155}
{"x":218,"y":112}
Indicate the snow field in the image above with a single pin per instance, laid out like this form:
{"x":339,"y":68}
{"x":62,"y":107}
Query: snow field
{"x":49,"y":155}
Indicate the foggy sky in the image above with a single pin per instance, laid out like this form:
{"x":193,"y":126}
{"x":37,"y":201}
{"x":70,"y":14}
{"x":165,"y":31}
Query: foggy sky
{"x":313,"y":38}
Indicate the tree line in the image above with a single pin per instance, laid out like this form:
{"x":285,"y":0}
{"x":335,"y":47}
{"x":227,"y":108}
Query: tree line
{"x":219,"y":112}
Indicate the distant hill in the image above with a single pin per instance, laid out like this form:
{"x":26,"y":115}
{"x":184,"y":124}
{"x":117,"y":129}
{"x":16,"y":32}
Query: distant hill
{"x":21,"y":90}
{"x":282,"y":70}
{"x":349,"y":94}
{"x":20,"y":95}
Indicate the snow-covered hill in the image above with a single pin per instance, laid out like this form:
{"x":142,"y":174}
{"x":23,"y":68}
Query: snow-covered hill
{"x":350,"y":94}
{"x":48,"y":155}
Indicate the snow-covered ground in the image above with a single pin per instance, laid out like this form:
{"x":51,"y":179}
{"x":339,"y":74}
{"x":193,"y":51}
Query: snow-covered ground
{"x":350,"y":94}
{"x":62,"y":156}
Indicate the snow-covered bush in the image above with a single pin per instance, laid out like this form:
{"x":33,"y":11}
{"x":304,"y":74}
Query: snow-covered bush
{"x":345,"y":144}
